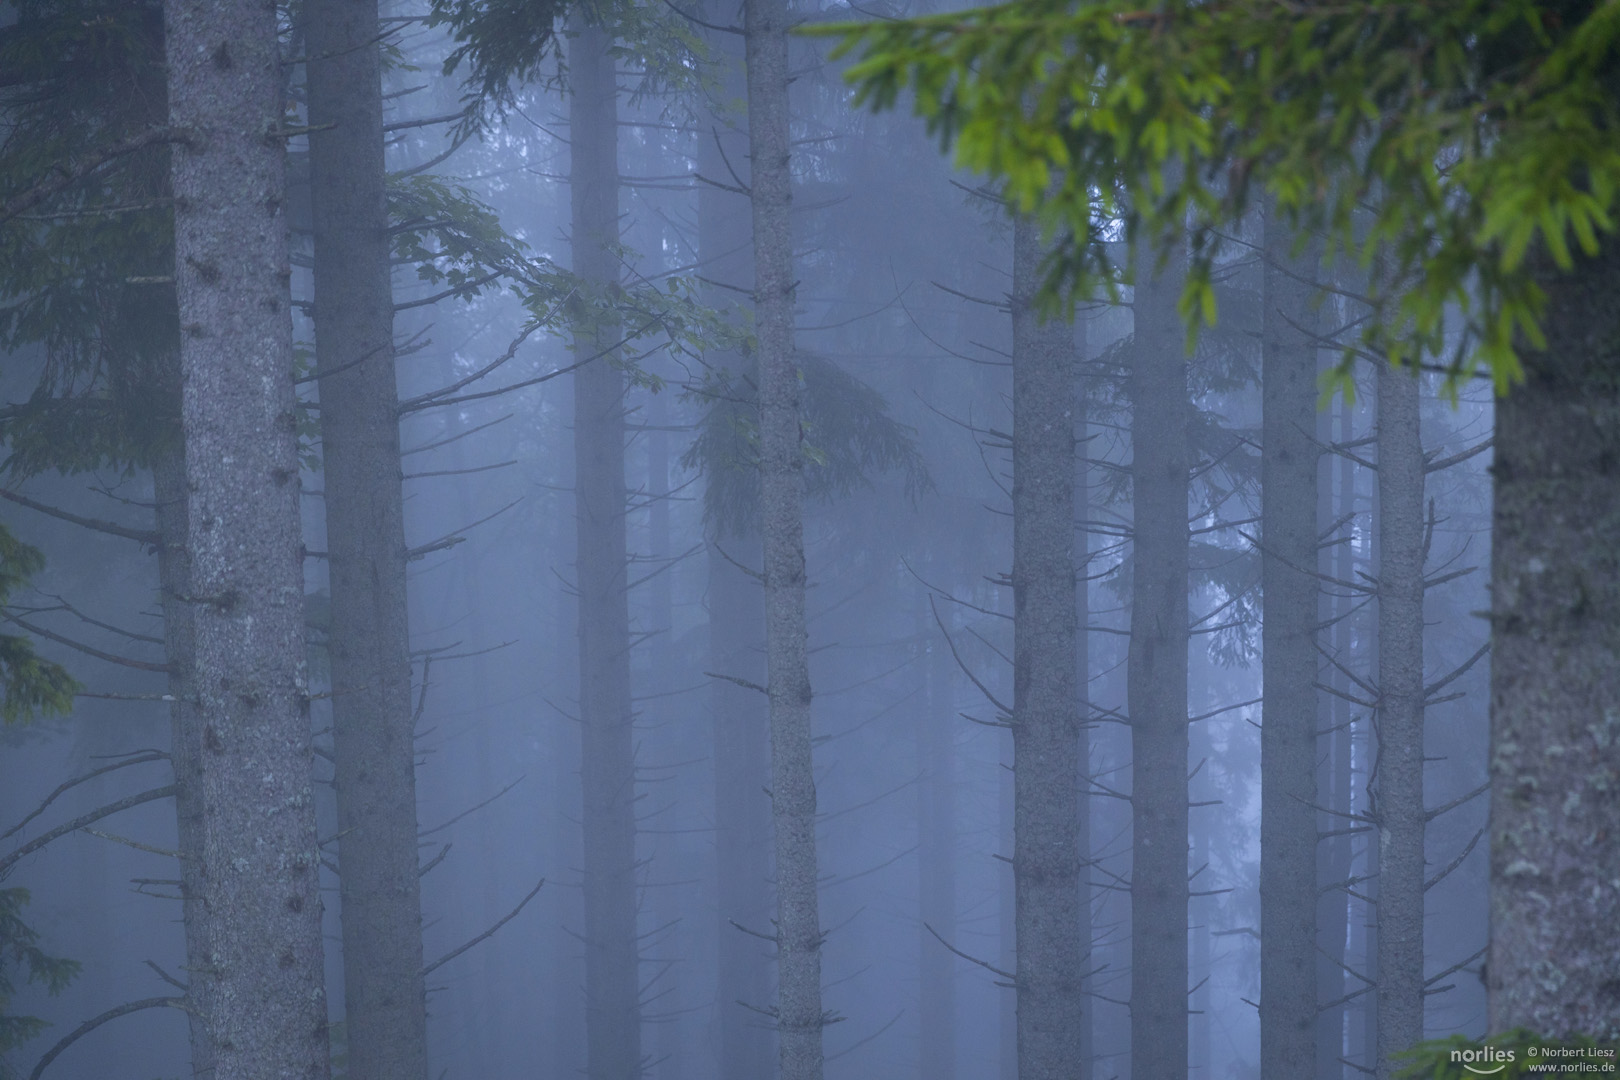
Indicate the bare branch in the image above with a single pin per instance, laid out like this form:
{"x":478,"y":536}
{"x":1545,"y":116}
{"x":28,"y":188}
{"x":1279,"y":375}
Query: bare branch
{"x":451,"y":539}
{"x":1009,"y":976}
{"x":1460,"y":456}
{"x":96,"y":1021}
{"x":143,"y":758}
{"x":8,"y":861}
{"x":983,"y":689}
{"x":744,"y":683}
{"x":508,"y":917}
{"x":1456,"y":673}
{"x":471,"y":810}
{"x":111,"y":658}
{"x":1454,"y":863}
{"x":1430,"y":815}
{"x":112,"y":528}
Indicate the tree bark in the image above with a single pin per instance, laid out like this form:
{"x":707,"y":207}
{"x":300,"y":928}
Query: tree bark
{"x":1156,"y":677}
{"x":1082,"y":677}
{"x":608,"y":770}
{"x":1555,"y":698}
{"x":369,"y":642}
{"x":799,"y":1017}
{"x":1288,"y":466}
{"x":263,"y":983}
{"x":1335,"y":780}
{"x":1046,"y":718}
{"x":1397,"y":782}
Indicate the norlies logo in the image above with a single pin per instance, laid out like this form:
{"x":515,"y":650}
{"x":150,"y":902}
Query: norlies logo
{"x":1486,"y":1061}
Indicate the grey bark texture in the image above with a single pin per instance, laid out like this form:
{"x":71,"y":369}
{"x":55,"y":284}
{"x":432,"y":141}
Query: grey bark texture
{"x":1335,"y":781}
{"x":608,"y":766}
{"x":369,"y":640}
{"x":1156,"y":678}
{"x":1046,"y":717}
{"x":1288,"y":465}
{"x":1555,"y":693}
{"x":799,"y":1016}
{"x":1082,"y":674}
{"x":262,"y":984}
{"x":1396,"y":783}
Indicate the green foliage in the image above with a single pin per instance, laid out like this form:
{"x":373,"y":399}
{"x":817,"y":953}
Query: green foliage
{"x":1508,"y":1056}
{"x":19,"y":953}
{"x":504,"y":44}
{"x":454,"y":238}
{"x":29,"y":684}
{"x":845,"y":430}
{"x":87,"y":273}
{"x":1479,"y":131}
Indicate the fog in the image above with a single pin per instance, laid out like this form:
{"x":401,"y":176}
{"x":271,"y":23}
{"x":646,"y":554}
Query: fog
{"x":904,"y":305}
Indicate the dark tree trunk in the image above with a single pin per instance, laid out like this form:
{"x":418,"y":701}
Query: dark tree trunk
{"x":1157,"y":680}
{"x":1555,"y":695}
{"x":263,"y":986}
{"x":799,"y":1017}
{"x":1288,"y":641}
{"x":369,"y":642}
{"x":1397,"y":782}
{"x":1046,"y":717}
{"x":608,"y":772}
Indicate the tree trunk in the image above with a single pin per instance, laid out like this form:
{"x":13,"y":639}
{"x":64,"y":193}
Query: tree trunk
{"x":1288,"y":642}
{"x":1046,"y":718}
{"x":263,"y":984}
{"x":1156,"y":675}
{"x":1336,"y":497}
{"x":369,"y":643}
{"x":799,"y":1017}
{"x":1082,"y":673}
{"x":608,"y":770}
{"x":1397,"y":783}
{"x":1555,"y":698}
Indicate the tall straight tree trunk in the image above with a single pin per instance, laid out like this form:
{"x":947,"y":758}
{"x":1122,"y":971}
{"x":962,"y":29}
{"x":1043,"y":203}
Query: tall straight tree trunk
{"x":263,"y":985}
{"x":1555,"y":699}
{"x":741,"y":728}
{"x":171,"y":502}
{"x":1006,"y":918}
{"x":608,"y":769}
{"x":1397,"y":790}
{"x":1082,"y":676}
{"x":369,"y":644}
{"x":1156,"y":677}
{"x":799,"y":1017}
{"x":1288,"y":466}
{"x":1046,"y":718}
{"x":1335,"y":780}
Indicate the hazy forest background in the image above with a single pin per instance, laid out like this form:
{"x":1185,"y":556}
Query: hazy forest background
{"x":548,"y":540}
